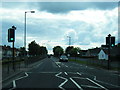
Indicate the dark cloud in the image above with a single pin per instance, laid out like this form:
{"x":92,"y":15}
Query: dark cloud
{"x":60,"y":7}
{"x":63,"y":7}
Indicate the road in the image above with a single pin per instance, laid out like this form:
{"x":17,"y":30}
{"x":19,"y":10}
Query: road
{"x":50,"y":73}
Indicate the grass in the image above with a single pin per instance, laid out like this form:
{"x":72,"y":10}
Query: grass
{"x":93,"y":64}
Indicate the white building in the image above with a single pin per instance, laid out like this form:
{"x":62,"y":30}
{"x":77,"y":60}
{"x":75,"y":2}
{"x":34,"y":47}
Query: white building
{"x":103,"y":55}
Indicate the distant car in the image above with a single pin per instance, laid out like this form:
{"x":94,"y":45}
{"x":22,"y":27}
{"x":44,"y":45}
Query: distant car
{"x":49,"y":56}
{"x":63,"y":58}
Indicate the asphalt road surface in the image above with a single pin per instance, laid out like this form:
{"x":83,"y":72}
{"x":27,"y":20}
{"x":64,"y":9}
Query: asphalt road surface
{"x":50,"y":73}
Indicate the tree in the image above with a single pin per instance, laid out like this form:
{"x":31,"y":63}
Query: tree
{"x":68,"y":49}
{"x":58,"y":50}
{"x":73,"y":51}
{"x":36,"y":49}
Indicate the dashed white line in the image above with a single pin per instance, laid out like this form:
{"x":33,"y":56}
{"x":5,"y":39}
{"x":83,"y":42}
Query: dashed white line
{"x":76,"y":84}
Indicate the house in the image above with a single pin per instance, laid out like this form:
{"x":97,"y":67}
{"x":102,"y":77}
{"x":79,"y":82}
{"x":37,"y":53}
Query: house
{"x":93,"y":52}
{"x":17,"y":52}
{"x":103,"y":54}
{"x":83,"y":52}
{"x":6,"y":51}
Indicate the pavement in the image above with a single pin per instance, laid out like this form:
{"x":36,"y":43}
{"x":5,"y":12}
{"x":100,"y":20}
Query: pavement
{"x":50,"y":73}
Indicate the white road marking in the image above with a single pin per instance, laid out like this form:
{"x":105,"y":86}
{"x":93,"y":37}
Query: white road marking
{"x":79,"y":73}
{"x":79,"y":77}
{"x":94,"y":77}
{"x":76,"y":84}
{"x":108,"y":83}
{"x":42,"y":72}
{"x":65,"y":65}
{"x":22,"y":77}
{"x":14,"y":84}
{"x":38,"y":65}
{"x":60,"y":86}
{"x":90,"y":86}
{"x":14,"y":81}
{"x":96,"y":84}
{"x":65,"y":73}
{"x":57,"y":64}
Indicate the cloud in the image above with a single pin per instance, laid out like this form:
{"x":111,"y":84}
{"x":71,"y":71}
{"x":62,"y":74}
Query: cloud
{"x":87,"y":28}
{"x":65,"y":7}
{"x":61,"y":7}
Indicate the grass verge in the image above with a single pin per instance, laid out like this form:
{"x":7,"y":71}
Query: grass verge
{"x":94,"y":65}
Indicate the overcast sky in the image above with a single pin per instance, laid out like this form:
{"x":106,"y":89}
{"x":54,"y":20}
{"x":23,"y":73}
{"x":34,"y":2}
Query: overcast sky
{"x":87,"y":23}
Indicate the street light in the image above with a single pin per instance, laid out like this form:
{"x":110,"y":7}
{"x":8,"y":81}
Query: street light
{"x":25,"y":28}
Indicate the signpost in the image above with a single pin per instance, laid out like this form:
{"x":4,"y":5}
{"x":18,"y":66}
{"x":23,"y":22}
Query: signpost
{"x":11,"y":38}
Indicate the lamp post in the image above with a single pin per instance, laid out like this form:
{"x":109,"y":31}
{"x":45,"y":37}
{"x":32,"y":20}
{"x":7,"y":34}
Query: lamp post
{"x":25,"y":28}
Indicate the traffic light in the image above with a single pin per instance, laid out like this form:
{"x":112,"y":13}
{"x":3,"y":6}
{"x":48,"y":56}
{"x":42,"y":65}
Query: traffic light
{"x":107,"y":41}
{"x":112,"y":41}
{"x":11,"y":35}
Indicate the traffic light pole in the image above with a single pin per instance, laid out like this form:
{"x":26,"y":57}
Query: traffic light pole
{"x":13,"y":58}
{"x":109,"y":36}
{"x":11,"y":38}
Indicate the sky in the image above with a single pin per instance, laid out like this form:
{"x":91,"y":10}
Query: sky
{"x":87,"y":23}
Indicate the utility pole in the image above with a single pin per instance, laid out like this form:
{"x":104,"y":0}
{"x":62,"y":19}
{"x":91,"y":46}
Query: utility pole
{"x":69,"y":40}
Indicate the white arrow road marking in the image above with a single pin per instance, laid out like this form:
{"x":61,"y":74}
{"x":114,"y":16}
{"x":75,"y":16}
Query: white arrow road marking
{"x":60,"y":86}
{"x":76,"y":84}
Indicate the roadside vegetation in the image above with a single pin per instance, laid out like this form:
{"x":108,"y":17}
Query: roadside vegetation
{"x":92,"y":63}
